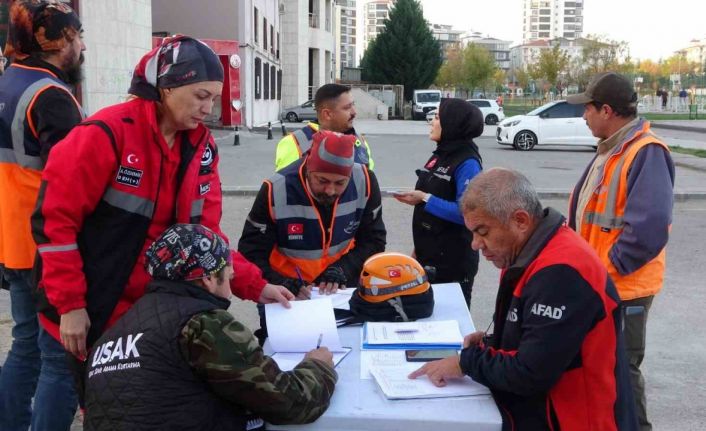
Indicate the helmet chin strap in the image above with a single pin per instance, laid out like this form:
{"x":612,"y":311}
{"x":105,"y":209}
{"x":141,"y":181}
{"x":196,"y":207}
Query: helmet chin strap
{"x":396,"y":303}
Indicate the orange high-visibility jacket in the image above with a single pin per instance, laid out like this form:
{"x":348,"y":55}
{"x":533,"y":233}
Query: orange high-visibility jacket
{"x":602,"y":221}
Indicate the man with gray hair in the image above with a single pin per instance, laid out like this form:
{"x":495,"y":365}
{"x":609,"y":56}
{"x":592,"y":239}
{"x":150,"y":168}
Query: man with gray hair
{"x":556,"y":358}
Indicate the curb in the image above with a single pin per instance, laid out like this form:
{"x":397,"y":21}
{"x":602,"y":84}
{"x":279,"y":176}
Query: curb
{"x":543,"y":194}
{"x":679,"y":127}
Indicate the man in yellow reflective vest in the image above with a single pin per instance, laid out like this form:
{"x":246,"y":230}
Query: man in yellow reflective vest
{"x":623,"y":207}
{"x":335,"y":110}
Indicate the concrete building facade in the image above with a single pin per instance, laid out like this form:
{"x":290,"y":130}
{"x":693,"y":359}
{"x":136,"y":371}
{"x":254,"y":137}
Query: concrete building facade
{"x":109,"y":60}
{"x":348,"y":23}
{"x":308,"y":48}
{"x":499,"y":49}
{"x":550,"y":19}
{"x":447,"y":37}
{"x":376,"y":12}
{"x":255,"y":25}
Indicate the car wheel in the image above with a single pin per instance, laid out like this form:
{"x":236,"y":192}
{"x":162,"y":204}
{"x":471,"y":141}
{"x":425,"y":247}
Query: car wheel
{"x":525,"y":140}
{"x":491,"y":120}
{"x":292,"y":117}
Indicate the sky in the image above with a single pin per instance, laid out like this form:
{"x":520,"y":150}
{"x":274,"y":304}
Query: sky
{"x":654,"y":29}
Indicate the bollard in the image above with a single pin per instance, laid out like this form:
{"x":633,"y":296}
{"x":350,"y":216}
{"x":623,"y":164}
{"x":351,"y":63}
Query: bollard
{"x":236,"y":141}
{"x":269,"y":131}
{"x":284,"y":130}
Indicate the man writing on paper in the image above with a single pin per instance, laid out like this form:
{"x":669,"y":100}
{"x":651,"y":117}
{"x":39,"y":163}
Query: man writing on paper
{"x":178,"y":360}
{"x":556,"y":359}
{"x":317,"y":220}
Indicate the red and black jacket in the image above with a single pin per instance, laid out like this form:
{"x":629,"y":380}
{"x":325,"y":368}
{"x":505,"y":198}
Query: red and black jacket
{"x":556,"y":359}
{"x":99,"y":194}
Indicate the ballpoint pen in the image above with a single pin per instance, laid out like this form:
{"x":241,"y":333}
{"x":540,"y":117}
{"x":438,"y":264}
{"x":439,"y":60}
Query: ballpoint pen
{"x":318,"y":343}
{"x":302,"y":284}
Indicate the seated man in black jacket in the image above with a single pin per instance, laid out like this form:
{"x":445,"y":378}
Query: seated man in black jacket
{"x":556,"y":359}
{"x":178,"y":360}
{"x":316,"y":221}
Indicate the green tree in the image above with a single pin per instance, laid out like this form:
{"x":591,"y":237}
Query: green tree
{"x":405,"y":52}
{"x":552,"y":62}
{"x":467,"y":69}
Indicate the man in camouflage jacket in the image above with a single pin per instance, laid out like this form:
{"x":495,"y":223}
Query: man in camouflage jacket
{"x":178,"y":360}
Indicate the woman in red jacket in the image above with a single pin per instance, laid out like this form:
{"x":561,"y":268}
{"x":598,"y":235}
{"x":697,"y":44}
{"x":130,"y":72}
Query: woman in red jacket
{"x":117,"y":181}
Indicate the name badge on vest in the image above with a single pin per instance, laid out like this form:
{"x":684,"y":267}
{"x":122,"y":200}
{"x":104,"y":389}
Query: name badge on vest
{"x":129,"y":176}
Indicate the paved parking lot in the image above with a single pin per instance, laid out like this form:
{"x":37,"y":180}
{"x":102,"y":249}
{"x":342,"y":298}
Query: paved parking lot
{"x":676,"y":354}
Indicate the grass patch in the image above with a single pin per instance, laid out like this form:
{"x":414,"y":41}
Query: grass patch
{"x":653,"y":116}
{"x":691,"y":151}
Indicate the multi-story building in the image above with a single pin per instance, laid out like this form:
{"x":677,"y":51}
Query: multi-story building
{"x":551,"y":19}
{"x":347,"y":33}
{"x":308,"y":48}
{"x":695,"y":52}
{"x":499,"y":49}
{"x":448,"y":37}
{"x":255,"y":25}
{"x":376,"y":12}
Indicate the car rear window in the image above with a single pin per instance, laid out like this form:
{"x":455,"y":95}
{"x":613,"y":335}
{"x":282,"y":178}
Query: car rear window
{"x":481,"y":103}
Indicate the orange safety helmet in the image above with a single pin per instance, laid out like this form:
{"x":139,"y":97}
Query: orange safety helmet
{"x":387,"y":275}
{"x":393,"y":286}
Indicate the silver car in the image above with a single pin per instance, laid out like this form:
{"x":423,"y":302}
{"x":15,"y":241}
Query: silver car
{"x":302,"y":112}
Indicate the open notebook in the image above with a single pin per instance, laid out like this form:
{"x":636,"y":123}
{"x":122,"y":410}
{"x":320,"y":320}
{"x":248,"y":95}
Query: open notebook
{"x":293,"y":332}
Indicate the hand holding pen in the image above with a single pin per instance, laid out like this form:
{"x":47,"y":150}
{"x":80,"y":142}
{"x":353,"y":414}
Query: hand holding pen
{"x":321,"y":353}
{"x":304,"y":289}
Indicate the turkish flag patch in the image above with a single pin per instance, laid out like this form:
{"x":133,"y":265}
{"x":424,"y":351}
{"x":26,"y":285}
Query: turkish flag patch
{"x":431,"y":163}
{"x":295,"y":228}
{"x":394,"y":273}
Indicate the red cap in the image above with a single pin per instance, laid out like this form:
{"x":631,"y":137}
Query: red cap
{"x":331,"y":153}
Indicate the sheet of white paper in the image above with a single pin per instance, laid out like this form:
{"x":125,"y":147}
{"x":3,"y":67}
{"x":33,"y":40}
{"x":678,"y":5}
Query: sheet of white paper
{"x":297,"y":329}
{"x":338,"y":300}
{"x":434,"y":332}
{"x":383,"y":358}
{"x":287,"y":361}
{"x":395,"y":384}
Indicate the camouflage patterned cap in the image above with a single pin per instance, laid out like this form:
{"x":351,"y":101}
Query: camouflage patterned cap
{"x":40,"y":25}
{"x":187,"y":252}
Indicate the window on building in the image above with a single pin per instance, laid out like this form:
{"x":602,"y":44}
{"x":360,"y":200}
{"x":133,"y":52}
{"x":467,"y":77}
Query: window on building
{"x":545,"y":27}
{"x":272,"y":39}
{"x":277,"y":45}
{"x":544,"y":34}
{"x":569,"y":35}
{"x":569,"y":19}
{"x":545,"y":11}
{"x":266,"y":80}
{"x":273,"y":81}
{"x":264,"y":33}
{"x":545,"y":19}
{"x":256,"y":22}
{"x":258,"y":78}
{"x":279,"y":85}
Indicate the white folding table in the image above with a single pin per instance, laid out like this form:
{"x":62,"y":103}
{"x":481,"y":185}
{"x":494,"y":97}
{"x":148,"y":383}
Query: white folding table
{"x":360,"y":405}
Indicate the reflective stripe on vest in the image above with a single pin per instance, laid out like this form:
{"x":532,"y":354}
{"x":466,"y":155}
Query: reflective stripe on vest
{"x":128,"y":202}
{"x":282,"y":210}
{"x":603,"y":223}
{"x":197,"y":208}
{"x":17,"y":129}
{"x":304,"y":143}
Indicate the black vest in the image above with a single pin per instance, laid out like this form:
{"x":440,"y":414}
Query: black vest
{"x":137,"y":378}
{"x":437,"y":242}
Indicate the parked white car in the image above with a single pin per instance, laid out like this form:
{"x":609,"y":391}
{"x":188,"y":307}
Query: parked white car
{"x":492,"y":112}
{"x":556,"y":123}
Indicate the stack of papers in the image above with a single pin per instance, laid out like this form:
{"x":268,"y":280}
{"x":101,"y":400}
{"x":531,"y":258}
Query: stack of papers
{"x":443,"y":334}
{"x":395,"y":384}
{"x":297,"y":330}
